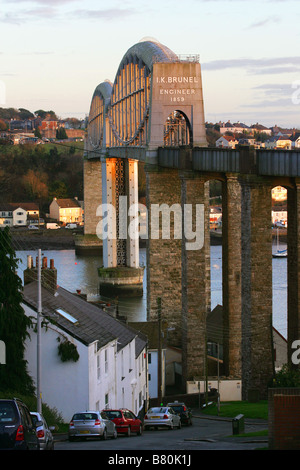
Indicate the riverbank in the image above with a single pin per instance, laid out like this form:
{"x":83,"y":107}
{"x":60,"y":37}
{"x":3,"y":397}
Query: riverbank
{"x":63,"y":239}
{"x":25,"y":239}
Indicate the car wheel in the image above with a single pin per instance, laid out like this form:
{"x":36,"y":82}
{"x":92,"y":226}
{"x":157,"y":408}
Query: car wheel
{"x":104,"y":435}
{"x":128,"y":431}
{"x":140,"y":431}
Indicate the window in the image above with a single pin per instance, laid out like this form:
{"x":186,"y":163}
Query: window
{"x":106,"y":401}
{"x":98,"y":368}
{"x":130,"y":368}
{"x":106,"y":361}
{"x":149,"y":358}
{"x":122,"y":365}
{"x":66,"y":315}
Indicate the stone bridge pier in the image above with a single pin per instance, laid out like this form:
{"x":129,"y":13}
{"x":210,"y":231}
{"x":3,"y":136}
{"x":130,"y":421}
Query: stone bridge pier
{"x":181,"y":276}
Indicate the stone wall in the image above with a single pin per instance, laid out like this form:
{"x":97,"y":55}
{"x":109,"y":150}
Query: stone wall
{"x":92,"y":194}
{"x":164,"y":255}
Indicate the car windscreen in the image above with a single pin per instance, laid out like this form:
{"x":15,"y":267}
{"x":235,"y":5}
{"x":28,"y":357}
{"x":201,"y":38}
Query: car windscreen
{"x":113,"y":414}
{"x":158,"y":410}
{"x":84,"y":416}
{"x":178,"y":408}
{"x":8,"y":413}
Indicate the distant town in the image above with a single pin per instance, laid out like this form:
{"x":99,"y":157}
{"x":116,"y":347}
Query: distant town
{"x":20,"y":127}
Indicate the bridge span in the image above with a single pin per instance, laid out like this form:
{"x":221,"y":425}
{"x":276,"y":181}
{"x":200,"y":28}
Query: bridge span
{"x":153,"y":115}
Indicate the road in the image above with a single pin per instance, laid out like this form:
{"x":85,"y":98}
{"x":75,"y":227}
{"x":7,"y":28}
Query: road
{"x":204,"y":434}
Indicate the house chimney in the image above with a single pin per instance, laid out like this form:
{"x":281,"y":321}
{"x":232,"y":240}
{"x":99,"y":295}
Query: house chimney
{"x":48,"y":275}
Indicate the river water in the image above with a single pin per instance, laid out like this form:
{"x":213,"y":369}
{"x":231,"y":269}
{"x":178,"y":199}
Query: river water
{"x":80,"y":272}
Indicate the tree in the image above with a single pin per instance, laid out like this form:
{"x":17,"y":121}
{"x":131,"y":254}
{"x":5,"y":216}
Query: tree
{"x":37,"y":133}
{"x":61,"y":133}
{"x":35,"y":183}
{"x":14,"y":324}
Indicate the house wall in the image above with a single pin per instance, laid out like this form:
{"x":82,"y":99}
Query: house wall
{"x":102,"y":376}
{"x":54,"y":210}
{"x":63,"y":385}
{"x":230,"y":390}
{"x":152,"y":373}
{"x":131,"y":378}
{"x":70,"y":214}
{"x":19,"y":216}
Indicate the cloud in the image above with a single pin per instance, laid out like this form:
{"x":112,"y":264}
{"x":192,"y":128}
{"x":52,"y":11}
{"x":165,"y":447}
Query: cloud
{"x":42,"y":2}
{"x":109,"y":14}
{"x":24,"y":16}
{"x":265,"y":22}
{"x":275,"y":89}
{"x":52,"y":12}
{"x":278,"y":103}
{"x":267,"y":65}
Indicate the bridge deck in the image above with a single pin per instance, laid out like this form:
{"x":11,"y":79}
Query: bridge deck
{"x":276,"y":163}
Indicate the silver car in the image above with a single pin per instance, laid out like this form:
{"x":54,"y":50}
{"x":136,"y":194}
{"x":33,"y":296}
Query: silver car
{"x":162,"y":416}
{"x":86,"y":424}
{"x":43,"y":431}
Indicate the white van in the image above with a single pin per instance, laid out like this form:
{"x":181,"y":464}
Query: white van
{"x":71,"y":226}
{"x":52,"y":225}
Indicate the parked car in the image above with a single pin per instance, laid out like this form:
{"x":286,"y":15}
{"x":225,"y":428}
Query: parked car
{"x":126,"y":422}
{"x":183,"y":411}
{"x":71,"y":226}
{"x":32,"y":227}
{"x":91,"y":424}
{"x":17,"y":430}
{"x":162,"y":416}
{"x":43,"y":431}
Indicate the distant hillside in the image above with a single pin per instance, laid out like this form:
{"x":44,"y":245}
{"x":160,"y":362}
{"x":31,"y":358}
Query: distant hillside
{"x":40,"y":172}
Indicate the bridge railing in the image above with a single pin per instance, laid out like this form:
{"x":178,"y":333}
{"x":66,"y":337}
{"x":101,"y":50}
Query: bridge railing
{"x":216,"y":160}
{"x":278,"y":162}
{"x":242,"y":160}
{"x":200,"y":159}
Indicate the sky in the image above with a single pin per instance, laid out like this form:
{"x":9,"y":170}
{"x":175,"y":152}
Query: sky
{"x":54,"y":53}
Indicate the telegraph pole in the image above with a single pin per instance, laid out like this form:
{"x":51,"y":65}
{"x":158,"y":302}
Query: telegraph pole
{"x":39,"y":313}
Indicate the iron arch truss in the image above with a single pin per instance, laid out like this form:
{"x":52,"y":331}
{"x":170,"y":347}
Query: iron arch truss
{"x":130,"y":101}
{"x":97,"y":115}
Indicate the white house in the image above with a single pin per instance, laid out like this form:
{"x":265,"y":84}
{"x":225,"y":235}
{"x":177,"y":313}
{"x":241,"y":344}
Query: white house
{"x":66,"y":210}
{"x":295,"y":139}
{"x":226,"y":141}
{"x":12,"y":215}
{"x":279,"y":142}
{"x":111,"y":370}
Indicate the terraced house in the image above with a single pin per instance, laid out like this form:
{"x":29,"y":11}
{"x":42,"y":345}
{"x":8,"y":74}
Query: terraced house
{"x":89,"y":359}
{"x":67,"y":210}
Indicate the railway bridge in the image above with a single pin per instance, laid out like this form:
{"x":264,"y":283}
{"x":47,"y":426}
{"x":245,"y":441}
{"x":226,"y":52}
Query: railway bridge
{"x":152,"y":115}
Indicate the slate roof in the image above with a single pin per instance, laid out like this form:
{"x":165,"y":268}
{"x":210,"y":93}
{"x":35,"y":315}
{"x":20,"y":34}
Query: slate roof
{"x":93,"y":323}
{"x":69,"y":202}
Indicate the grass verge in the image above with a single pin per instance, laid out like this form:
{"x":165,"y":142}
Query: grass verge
{"x":258,"y":410}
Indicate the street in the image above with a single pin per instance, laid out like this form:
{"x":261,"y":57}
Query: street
{"x":204,"y":434}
